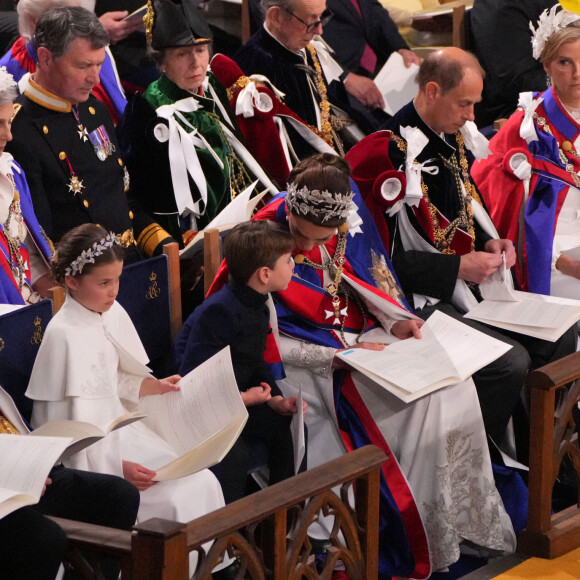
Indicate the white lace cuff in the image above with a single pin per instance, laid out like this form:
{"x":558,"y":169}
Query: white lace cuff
{"x":318,"y":359}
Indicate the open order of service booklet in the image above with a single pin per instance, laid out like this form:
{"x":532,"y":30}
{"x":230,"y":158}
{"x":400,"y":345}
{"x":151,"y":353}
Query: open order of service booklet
{"x":537,"y":315}
{"x":26,"y":463}
{"x":202,"y":421}
{"x":79,"y":434}
{"x":448,"y":352}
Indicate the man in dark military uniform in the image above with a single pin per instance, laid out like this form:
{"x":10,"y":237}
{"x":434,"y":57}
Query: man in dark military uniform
{"x":64,"y":137}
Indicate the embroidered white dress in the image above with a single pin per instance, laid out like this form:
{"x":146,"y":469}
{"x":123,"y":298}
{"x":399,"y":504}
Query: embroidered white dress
{"x":85,"y":370}
{"x":439,"y":441}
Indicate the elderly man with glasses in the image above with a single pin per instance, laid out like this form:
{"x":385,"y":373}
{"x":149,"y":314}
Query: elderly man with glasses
{"x":289,"y":52}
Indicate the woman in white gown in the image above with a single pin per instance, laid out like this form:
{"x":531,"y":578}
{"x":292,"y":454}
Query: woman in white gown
{"x":90,"y":367}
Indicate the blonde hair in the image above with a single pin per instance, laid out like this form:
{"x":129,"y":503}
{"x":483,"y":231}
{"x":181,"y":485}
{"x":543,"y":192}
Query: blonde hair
{"x":562,"y":36}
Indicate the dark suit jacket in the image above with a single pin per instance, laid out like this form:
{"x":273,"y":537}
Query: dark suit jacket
{"x":348,"y":32}
{"x":237,"y":316}
{"x":510,"y":67}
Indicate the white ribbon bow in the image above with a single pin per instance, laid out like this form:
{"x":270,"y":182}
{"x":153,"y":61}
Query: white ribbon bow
{"x":266,"y":81}
{"x":529,"y":105}
{"x":354,"y":221}
{"x":250,"y":97}
{"x":474,"y":140}
{"x":183,"y":159}
{"x":416,"y":141}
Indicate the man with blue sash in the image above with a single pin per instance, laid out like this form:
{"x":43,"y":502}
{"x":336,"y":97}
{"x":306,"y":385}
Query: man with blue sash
{"x":319,"y":314}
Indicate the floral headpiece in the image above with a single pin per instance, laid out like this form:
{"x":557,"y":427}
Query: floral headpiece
{"x":6,"y":79}
{"x":322,"y":205}
{"x":549,"y":23}
{"x":88,"y":256}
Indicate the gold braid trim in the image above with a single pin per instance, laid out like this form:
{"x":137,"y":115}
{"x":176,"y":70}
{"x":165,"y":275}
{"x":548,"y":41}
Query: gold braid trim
{"x":242,"y":82}
{"x":149,"y":21}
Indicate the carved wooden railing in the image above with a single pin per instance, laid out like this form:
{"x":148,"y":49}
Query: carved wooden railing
{"x":554,"y":391}
{"x":266,"y":532}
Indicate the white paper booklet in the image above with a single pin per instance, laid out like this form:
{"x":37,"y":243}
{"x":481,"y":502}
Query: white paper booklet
{"x":297,"y":428}
{"x":137,"y":14}
{"x":239,"y":210}
{"x":397,"y":83}
{"x":201,"y":421}
{"x":545,"y":317}
{"x":26,"y":463}
{"x":83,"y":434}
{"x":449,"y":352}
{"x":538,"y":315}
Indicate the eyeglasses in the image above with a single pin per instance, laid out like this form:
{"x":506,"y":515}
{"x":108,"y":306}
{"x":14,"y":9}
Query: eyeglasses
{"x":310,"y":26}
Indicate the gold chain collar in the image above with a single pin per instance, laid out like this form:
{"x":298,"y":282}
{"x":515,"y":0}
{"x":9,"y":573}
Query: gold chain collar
{"x":329,"y":123}
{"x":443,"y":237}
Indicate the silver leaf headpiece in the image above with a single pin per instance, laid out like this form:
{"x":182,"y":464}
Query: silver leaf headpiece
{"x":548,"y":23}
{"x":6,"y":79}
{"x":322,"y":205}
{"x":88,"y":256}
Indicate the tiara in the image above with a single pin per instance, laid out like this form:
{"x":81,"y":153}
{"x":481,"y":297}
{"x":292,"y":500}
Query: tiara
{"x":323,"y":205}
{"x":6,"y":79}
{"x":548,"y":23}
{"x":88,"y":256}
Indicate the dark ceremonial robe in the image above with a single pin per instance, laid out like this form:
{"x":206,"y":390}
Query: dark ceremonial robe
{"x":264,"y":55}
{"x":9,"y":289}
{"x":509,"y":66}
{"x":431,"y":274}
{"x":48,"y":146}
{"x":348,"y":31}
{"x":504,"y":192}
{"x":148,"y":161}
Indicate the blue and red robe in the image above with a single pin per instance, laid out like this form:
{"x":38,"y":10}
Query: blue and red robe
{"x":403,"y":548}
{"x":9,"y":290}
{"x":504,"y":192}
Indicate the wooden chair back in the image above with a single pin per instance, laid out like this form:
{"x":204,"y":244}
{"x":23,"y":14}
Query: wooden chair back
{"x":212,"y":256}
{"x":21,"y":333}
{"x":246,"y":21}
{"x":256,"y":529}
{"x":555,"y":392}
{"x":461,"y":32}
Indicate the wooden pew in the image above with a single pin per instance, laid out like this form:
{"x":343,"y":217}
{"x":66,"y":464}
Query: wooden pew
{"x":552,"y":435}
{"x":255,"y":530}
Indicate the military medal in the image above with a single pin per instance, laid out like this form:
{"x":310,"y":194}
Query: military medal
{"x":75,"y":184}
{"x":83,"y":133}
{"x":101,"y":143}
{"x":338,"y":312}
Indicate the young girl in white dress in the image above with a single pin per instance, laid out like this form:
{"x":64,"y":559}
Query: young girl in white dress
{"x":88,"y":369}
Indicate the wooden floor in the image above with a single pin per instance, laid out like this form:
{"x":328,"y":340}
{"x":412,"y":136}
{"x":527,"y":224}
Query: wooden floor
{"x":498,"y":566}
